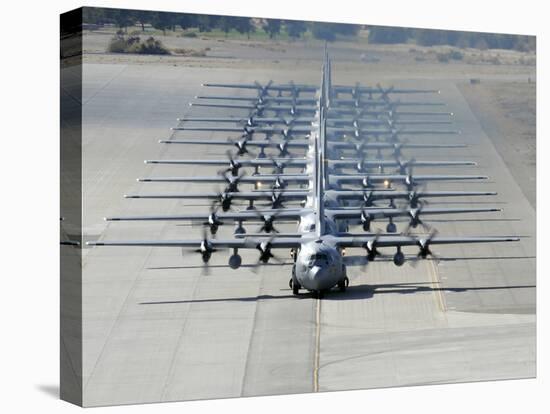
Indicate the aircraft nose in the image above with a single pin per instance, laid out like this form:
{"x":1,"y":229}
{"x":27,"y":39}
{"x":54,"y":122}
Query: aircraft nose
{"x":316,"y":278}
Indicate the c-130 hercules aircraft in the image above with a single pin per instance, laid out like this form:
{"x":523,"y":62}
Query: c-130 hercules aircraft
{"x":319,"y":245}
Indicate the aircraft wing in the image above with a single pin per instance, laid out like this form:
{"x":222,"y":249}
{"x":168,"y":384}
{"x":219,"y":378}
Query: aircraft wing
{"x":380,"y":90}
{"x":251,"y":120}
{"x":240,"y":195}
{"x":354,"y":213}
{"x":383,"y":145}
{"x":268,"y":178}
{"x":268,"y":86}
{"x":262,"y":162}
{"x":388,"y":194}
{"x":358,"y":178}
{"x":302,"y":108}
{"x":401,"y":241}
{"x":261,"y":129}
{"x":241,"y":243}
{"x":395,"y":163}
{"x":267,"y":98}
{"x":286,"y":214}
{"x":297,"y":143}
{"x":352,"y":129}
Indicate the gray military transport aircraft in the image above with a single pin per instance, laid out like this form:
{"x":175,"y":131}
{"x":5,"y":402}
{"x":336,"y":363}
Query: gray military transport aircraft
{"x":322,"y":235}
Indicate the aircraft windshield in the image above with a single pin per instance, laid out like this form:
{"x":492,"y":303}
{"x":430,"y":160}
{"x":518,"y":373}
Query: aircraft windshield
{"x":318,"y":259}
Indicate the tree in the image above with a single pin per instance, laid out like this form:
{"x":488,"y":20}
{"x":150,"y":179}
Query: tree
{"x":324,"y":31}
{"x":381,"y":34}
{"x":142,"y":17}
{"x":93,"y":15}
{"x":206,"y":23}
{"x":122,"y":18}
{"x":272,"y":27}
{"x":185,"y":20}
{"x":162,"y":21}
{"x":295,"y":28}
{"x":243,"y":25}
{"x":226,"y":23}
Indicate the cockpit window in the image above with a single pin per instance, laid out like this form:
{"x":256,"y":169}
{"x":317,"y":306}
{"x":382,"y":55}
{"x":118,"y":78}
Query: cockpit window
{"x":318,"y":259}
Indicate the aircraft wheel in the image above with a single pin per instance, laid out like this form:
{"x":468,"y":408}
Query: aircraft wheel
{"x":343,"y":284}
{"x":295,"y":286}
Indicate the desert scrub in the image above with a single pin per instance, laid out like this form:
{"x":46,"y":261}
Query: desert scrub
{"x":133,"y":44}
{"x":191,"y":52}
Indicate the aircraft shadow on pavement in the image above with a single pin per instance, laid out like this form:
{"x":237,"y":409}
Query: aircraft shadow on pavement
{"x":351,"y":293}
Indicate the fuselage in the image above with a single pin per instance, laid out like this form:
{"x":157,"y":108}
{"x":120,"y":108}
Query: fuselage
{"x":319,"y":265}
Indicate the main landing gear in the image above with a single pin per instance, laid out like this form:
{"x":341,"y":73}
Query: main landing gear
{"x":343,"y":284}
{"x":295,"y":286}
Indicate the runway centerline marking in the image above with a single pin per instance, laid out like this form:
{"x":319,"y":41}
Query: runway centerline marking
{"x":317,"y":346}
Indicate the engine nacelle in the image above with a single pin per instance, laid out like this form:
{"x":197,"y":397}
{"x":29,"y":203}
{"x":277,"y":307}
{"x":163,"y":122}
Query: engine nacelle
{"x":398,"y":258}
{"x":235,"y":261}
{"x":239,"y":229}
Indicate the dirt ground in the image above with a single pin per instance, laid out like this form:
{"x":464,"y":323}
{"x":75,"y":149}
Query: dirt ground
{"x":507,"y":113}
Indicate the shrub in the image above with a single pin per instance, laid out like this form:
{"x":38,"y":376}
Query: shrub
{"x":443,"y":57}
{"x":133,"y":44}
{"x":189,"y":34}
{"x":456,"y":55}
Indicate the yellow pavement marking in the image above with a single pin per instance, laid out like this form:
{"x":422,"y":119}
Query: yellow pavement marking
{"x":317,"y":346}
{"x":437,"y":285}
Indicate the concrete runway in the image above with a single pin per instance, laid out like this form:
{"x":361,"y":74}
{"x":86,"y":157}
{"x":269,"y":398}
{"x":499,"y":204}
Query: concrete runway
{"x":155,"y":329}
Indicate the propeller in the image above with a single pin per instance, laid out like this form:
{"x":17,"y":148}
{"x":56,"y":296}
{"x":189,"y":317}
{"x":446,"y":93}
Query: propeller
{"x":368,"y":198}
{"x":414,"y":197}
{"x":205,"y":249}
{"x":394,"y":134}
{"x":278,"y":166}
{"x":360,"y":166}
{"x":225,"y":199}
{"x":267,"y":223}
{"x":415,"y":220}
{"x":371,"y":249}
{"x":234,"y":165}
{"x":279,"y":183}
{"x":424,"y":248}
{"x":385,"y":92}
{"x":410,"y":182}
{"x":241,"y":146}
{"x":277,"y":199}
{"x":266,"y":255}
{"x":365,"y":219}
{"x":232,"y":182}
{"x":213,"y":222}
{"x":283,"y":149}
{"x":365,"y":182}
{"x":405,"y":167}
